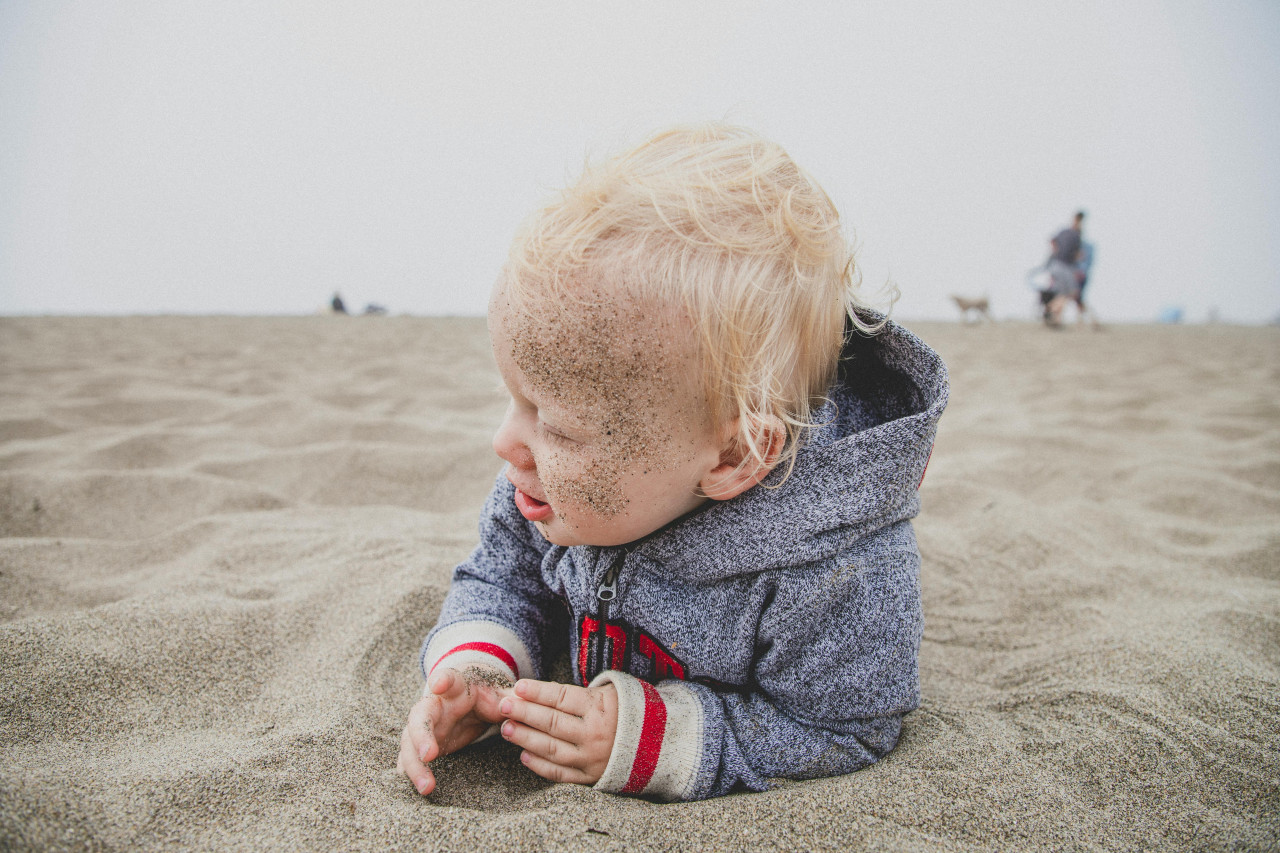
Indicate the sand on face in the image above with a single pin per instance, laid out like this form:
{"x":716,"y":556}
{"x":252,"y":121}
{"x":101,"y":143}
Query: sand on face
{"x":601,"y":363}
{"x":619,"y":380}
{"x":224,"y":539}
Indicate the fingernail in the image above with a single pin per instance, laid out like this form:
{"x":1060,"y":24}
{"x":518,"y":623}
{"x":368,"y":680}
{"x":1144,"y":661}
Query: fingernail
{"x":505,"y":706}
{"x":508,"y":728}
{"x":422,"y":785}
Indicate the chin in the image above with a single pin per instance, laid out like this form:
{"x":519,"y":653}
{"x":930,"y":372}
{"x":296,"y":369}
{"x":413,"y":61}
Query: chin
{"x":555,"y":534}
{"x":558,"y":534}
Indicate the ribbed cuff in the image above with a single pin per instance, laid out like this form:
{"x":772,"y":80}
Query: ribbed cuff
{"x":658,"y":746}
{"x":464,"y":644}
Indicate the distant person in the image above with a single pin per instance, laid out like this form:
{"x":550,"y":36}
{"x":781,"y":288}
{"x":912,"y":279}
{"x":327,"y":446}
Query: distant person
{"x":1084,"y":263}
{"x":1063,"y":256}
{"x":339,"y":307}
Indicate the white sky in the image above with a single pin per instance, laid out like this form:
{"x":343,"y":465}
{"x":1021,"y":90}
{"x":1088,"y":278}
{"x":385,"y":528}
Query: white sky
{"x":254,"y":157}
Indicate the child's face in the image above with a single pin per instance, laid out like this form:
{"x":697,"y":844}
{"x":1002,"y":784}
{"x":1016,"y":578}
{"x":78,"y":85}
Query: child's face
{"x":608,"y":435}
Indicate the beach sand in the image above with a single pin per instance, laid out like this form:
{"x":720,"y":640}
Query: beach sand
{"x":225,"y":538}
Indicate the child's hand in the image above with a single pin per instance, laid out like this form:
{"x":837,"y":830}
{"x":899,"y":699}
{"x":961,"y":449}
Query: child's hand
{"x":567,"y":732}
{"x":456,"y":709}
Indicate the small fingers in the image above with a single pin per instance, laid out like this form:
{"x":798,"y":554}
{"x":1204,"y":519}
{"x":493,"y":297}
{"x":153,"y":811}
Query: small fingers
{"x":477,"y":688}
{"x":565,"y":697}
{"x":558,"y":724}
{"x":488,"y":702}
{"x":555,"y":772}
{"x":445,"y":682}
{"x":420,"y":730}
{"x":541,"y":744}
{"x":419,"y":774}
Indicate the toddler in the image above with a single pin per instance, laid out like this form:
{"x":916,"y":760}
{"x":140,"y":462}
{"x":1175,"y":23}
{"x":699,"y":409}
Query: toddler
{"x":713,"y":452}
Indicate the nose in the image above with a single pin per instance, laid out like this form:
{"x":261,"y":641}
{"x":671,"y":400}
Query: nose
{"x":509,"y":444}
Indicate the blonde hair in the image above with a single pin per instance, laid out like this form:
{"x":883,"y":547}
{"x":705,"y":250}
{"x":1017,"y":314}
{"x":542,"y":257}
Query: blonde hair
{"x":721,"y":222}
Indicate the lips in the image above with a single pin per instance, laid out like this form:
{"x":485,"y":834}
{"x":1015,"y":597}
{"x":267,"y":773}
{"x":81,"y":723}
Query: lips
{"x":532,"y":508}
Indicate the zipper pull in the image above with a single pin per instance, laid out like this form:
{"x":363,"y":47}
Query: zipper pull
{"x":608,"y":589}
{"x":606,"y":592}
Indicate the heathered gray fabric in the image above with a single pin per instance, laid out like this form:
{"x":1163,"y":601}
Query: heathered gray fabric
{"x":794,"y":608}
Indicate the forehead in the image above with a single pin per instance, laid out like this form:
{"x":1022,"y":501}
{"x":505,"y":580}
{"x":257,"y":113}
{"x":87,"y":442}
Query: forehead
{"x":605,"y":359}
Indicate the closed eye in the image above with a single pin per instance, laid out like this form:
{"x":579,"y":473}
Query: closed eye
{"x":556,"y":435}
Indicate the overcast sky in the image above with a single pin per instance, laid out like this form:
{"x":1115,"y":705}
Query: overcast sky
{"x":254,"y":157}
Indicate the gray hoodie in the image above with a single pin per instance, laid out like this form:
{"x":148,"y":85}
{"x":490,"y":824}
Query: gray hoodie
{"x":772,"y":635}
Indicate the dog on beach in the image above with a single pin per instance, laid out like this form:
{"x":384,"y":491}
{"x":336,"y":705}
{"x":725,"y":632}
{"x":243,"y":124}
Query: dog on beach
{"x":980,"y":307}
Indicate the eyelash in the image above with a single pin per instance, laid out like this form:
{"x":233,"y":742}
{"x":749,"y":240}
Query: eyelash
{"x":555,"y":436}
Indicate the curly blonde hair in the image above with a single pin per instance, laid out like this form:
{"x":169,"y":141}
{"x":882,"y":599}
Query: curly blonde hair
{"x":721,"y":222}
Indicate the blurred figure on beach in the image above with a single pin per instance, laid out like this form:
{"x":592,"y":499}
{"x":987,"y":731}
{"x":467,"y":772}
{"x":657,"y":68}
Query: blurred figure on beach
{"x":337,"y":305}
{"x":1084,"y":263}
{"x":1068,"y":269}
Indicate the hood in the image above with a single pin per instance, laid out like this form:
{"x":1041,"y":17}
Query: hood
{"x":859,"y":470}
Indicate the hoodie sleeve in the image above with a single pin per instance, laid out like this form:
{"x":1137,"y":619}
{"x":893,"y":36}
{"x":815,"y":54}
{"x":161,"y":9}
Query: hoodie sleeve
{"x":498,"y":611}
{"x":836,"y":671}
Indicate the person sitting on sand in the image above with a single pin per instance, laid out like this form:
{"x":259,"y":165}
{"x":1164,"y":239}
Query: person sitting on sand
{"x":713,"y":454}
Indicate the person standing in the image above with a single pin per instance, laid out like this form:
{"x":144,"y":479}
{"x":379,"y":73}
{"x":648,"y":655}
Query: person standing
{"x":1063,"y":257}
{"x":1084,"y":263}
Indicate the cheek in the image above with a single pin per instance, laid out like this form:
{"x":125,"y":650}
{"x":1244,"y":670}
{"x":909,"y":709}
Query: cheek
{"x":583,"y":483}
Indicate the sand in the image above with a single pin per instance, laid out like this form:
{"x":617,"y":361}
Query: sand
{"x":224,"y":539}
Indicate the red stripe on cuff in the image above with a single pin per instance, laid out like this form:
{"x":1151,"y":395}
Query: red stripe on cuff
{"x":488,"y":648}
{"x":650,"y":747}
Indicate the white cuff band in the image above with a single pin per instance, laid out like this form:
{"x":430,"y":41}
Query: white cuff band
{"x":658,"y":746}
{"x":487,"y":643}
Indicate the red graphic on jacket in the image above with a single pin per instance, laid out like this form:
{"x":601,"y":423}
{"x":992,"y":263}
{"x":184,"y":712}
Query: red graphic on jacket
{"x":622,"y":643}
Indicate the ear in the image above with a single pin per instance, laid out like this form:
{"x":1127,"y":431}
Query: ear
{"x":730,"y":477}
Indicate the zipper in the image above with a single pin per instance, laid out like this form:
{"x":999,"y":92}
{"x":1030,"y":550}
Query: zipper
{"x":605,"y":593}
